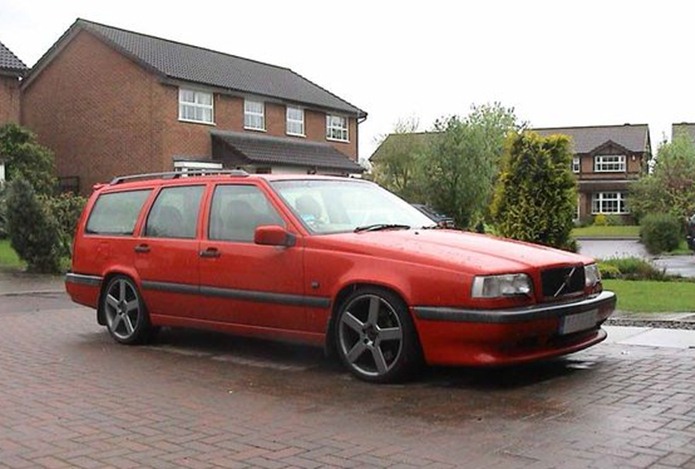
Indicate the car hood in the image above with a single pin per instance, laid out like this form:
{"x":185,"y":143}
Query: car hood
{"x":473,"y":252}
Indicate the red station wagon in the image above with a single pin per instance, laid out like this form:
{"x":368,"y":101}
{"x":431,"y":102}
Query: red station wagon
{"x":333,"y":262}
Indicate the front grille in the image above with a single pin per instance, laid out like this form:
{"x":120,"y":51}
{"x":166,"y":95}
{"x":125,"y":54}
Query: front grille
{"x":563,"y":281}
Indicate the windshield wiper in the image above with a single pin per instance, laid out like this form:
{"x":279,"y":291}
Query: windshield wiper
{"x":381,"y":226}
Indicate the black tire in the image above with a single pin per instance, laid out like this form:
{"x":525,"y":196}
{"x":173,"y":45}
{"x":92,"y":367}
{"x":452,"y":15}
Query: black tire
{"x":375,"y":336}
{"x":124,"y":312}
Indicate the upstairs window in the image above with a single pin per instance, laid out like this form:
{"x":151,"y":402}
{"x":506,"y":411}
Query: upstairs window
{"x":254,"y":115}
{"x":295,"y":121}
{"x":609,"y":163}
{"x":195,"y":106}
{"x":336,"y":128}
{"x":576,"y":164}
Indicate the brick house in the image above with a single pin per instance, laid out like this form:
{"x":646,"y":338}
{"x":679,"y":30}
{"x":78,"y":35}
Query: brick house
{"x":683,"y":127}
{"x":607,"y":159}
{"x":11,"y":71}
{"x":110,"y":102}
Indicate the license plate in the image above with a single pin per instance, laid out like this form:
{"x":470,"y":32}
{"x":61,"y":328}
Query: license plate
{"x":578,"y":322}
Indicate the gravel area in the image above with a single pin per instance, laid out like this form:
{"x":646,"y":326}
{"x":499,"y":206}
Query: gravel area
{"x":653,"y":323}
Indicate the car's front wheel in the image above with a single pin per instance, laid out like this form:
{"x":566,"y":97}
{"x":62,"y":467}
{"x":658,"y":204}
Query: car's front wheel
{"x":126,"y":317}
{"x":375,"y":336}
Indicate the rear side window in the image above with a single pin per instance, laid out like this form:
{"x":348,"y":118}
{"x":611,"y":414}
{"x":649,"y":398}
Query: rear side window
{"x":175,"y":213}
{"x":117,"y":212}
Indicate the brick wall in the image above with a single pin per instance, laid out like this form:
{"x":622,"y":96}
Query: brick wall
{"x":103,"y":115}
{"x":9,"y":99}
{"x":99,"y":112}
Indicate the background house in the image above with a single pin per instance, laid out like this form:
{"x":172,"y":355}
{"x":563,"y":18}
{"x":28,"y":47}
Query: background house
{"x":683,"y":127}
{"x":607,"y":159}
{"x":11,"y":71}
{"x":110,"y":102}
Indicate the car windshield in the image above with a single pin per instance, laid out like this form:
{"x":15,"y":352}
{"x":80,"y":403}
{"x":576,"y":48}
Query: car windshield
{"x":335,"y":206}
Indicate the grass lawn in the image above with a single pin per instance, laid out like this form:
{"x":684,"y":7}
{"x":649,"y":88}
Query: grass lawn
{"x":8,"y":258}
{"x":653,"y":297}
{"x":627,"y":231}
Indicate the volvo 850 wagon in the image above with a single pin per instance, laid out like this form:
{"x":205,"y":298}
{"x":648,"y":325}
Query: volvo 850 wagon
{"x":332,"y":262}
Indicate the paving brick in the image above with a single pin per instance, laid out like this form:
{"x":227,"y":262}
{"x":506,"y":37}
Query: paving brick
{"x":73,"y":398}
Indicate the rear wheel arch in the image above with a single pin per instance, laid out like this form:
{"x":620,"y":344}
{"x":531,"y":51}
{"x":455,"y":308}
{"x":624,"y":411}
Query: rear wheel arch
{"x":101,"y":319}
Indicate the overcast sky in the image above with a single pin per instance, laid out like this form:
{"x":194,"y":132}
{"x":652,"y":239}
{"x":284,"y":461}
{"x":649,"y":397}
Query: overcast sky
{"x":558,"y":63}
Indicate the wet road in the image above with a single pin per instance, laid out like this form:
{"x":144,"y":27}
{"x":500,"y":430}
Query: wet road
{"x":683,"y":265}
{"x":73,"y":398}
{"x":606,"y":249}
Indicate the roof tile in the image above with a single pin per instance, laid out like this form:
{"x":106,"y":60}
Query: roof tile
{"x":265,"y":149}
{"x":10,"y":62}
{"x":204,"y":66}
{"x":634,"y":138}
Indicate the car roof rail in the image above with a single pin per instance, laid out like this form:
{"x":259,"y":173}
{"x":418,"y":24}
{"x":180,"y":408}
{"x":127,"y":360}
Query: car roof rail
{"x":180,"y":174}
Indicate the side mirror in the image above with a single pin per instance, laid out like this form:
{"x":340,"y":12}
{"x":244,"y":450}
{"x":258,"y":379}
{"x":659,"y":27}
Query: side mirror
{"x":273,"y":235}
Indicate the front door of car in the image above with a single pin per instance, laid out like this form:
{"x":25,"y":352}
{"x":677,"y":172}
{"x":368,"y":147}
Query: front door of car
{"x":166,"y":256}
{"x":241,"y":282}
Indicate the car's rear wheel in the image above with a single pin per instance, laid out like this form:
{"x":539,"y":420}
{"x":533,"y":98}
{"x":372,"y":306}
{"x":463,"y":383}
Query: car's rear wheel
{"x":126,"y":317}
{"x":375,"y":336}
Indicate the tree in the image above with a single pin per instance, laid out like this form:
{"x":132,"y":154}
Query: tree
{"x":25,"y":158}
{"x":536,"y":195}
{"x":34,"y":231}
{"x":463,"y":161}
{"x":670,"y":188}
{"x":397,"y":164}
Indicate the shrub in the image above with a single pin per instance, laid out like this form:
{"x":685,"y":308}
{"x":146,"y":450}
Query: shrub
{"x":615,"y":220}
{"x":609,"y":270}
{"x":600,"y":220}
{"x":660,"y":232}
{"x":3,"y":212}
{"x":66,"y":208}
{"x":33,"y":230}
{"x":631,"y":268}
{"x":535,"y":198}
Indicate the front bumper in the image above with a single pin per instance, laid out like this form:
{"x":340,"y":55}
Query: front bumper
{"x":455,"y":336}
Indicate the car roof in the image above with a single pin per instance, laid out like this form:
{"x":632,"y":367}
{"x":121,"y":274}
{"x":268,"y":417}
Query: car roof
{"x":142,"y":181}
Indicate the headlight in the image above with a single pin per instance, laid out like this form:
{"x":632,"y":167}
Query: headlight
{"x":592,"y":275}
{"x":495,"y":286}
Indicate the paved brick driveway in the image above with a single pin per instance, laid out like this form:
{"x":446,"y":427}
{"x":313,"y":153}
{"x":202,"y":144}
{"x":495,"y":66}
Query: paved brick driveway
{"x":72,"y":398}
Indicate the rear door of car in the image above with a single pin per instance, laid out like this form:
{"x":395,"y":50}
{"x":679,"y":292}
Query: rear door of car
{"x":167,"y":253}
{"x":242,"y":282}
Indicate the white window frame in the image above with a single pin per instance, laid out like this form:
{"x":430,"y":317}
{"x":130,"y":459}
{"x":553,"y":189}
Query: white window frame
{"x":185,"y":166}
{"x":337,"y":133}
{"x":291,"y":121}
{"x":576,"y":164}
{"x":196,"y":105}
{"x":609,"y":163}
{"x":252,"y":115}
{"x":600,"y":200}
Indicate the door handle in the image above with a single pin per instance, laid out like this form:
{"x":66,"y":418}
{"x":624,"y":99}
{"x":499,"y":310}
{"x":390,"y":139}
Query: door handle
{"x":210,"y":252}
{"x":142,"y":248}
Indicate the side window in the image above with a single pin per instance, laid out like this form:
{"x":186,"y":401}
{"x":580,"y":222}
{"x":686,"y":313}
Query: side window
{"x":116,"y":213}
{"x":175,"y":213}
{"x":236,"y":212}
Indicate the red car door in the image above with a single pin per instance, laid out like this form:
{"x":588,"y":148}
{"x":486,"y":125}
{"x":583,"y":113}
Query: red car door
{"x":244,"y":283}
{"x":166,"y":256}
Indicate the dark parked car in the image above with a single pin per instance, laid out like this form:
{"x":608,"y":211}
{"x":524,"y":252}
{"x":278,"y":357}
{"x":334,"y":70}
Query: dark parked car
{"x":690,"y":232}
{"x":439,"y":218}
